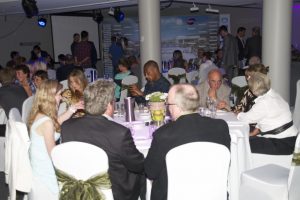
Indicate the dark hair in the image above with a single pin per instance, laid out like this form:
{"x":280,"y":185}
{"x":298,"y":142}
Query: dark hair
{"x":37,"y":47}
{"x":124,"y":62}
{"x":75,"y":34}
{"x":240,"y":29}
{"x":113,"y":38}
{"x":24,"y":68}
{"x":222,"y":28}
{"x":42,"y":74}
{"x":207,"y":54}
{"x":61,"y":57}
{"x":217,"y":51}
{"x":84,"y":34}
{"x":256,"y":30}
{"x":13,"y":54}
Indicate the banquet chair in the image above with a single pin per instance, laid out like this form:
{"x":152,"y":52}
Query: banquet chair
{"x":198,"y":170}
{"x":177,"y":75}
{"x":127,"y":81}
{"x":91,"y":74}
{"x":296,"y":113}
{"x":82,"y":162}
{"x":18,"y":172}
{"x":14,"y":114}
{"x":26,"y":108}
{"x":238,"y":88}
{"x":64,"y":84}
{"x":273,"y":181}
{"x":239,"y":81}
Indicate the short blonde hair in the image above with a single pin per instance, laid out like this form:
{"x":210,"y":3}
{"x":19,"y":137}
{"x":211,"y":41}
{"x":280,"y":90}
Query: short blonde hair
{"x":186,"y":97}
{"x":98,"y":95}
{"x":259,"y":83}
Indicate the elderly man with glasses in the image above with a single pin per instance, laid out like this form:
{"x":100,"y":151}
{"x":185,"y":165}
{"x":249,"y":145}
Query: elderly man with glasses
{"x":214,"y":89}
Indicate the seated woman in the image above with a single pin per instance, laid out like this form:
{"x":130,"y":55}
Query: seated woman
{"x":44,"y":124}
{"x":178,"y":60}
{"x":247,"y":101}
{"x":276,"y":134}
{"x":77,"y":83}
{"x":38,"y":77}
{"x":124,"y":71}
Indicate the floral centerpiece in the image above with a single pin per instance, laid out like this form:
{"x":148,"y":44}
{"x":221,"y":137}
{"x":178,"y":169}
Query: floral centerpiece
{"x":157,"y":106}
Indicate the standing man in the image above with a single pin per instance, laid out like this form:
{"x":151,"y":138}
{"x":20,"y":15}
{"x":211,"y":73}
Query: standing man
{"x":230,"y":52}
{"x":253,"y":44}
{"x":76,"y":40}
{"x":187,"y":126}
{"x":126,"y":163}
{"x":115,"y":53}
{"x":241,"y":31}
{"x":85,"y":52}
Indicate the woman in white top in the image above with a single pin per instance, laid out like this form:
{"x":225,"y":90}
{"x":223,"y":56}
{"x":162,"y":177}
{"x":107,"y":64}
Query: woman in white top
{"x":275,"y":133}
{"x":44,"y":126}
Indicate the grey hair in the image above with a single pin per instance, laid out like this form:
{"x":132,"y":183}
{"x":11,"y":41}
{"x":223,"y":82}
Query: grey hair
{"x":186,"y":97}
{"x":97,"y":96}
{"x":259,"y":83}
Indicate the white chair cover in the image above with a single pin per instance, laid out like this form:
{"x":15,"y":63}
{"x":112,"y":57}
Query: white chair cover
{"x":14,"y":114}
{"x":62,"y":108}
{"x":130,"y":80}
{"x":239,"y":81}
{"x":177,"y":71}
{"x":91,"y":74}
{"x":26,"y":108}
{"x":296,"y":113}
{"x":198,"y":170}
{"x":18,"y":171}
{"x":51,"y":74}
{"x":64,"y":84}
{"x":81,"y":160}
{"x":272,"y":181}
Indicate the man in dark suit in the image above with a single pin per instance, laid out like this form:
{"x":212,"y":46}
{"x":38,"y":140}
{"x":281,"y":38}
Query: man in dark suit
{"x":253,"y":44}
{"x":126,"y":163}
{"x":241,"y":31}
{"x":188,"y":126}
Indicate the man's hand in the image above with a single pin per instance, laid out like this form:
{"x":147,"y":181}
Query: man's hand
{"x":212,"y":93}
{"x":135,"y":91}
{"x":221,"y":105}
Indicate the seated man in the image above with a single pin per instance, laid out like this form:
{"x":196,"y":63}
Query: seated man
{"x":11,"y":95}
{"x":126,"y":163}
{"x":214,"y":89}
{"x":155,"y":82}
{"x":187,"y":126}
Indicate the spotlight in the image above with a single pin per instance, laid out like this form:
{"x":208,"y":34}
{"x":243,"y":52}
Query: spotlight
{"x":111,"y":12}
{"x":30,"y":8}
{"x":211,"y":10}
{"x":119,"y":15}
{"x":97,"y":17}
{"x":42,"y":22}
{"x":194,"y":8}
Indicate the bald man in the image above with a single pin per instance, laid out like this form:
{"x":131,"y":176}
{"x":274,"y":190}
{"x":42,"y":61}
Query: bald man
{"x":155,"y":82}
{"x":215,"y":89}
{"x":187,"y":126}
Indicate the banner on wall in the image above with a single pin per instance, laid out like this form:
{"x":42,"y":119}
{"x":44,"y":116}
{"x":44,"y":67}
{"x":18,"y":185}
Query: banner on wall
{"x":224,"y":19}
{"x":185,"y":33}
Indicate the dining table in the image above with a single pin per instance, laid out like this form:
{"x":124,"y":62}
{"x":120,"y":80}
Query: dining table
{"x":142,"y":130}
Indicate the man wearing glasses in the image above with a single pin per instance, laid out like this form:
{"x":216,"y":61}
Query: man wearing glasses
{"x":215,"y":90}
{"x":187,"y":126}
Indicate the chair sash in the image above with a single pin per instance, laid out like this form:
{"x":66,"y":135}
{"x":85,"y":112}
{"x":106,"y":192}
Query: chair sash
{"x":176,"y":78}
{"x":296,"y":159}
{"x":82,"y":190}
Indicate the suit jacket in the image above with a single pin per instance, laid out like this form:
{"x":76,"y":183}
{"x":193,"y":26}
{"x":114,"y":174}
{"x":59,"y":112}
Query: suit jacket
{"x":241,"y":47}
{"x":186,"y":129}
{"x":12,"y":96}
{"x":125,"y":161}
{"x":230,"y":51}
{"x":253,"y":47}
{"x":223,"y":93}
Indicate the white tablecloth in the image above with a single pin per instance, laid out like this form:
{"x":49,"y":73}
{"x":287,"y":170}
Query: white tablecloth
{"x":239,"y":148}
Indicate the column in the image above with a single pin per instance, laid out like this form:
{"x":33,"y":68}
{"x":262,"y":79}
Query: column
{"x":276,"y":46}
{"x":149,"y":23}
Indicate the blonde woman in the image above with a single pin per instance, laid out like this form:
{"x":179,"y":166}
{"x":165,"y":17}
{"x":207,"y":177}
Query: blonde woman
{"x":77,"y":83}
{"x":44,"y":126}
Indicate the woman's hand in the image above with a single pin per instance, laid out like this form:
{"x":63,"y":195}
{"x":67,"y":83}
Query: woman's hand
{"x":254,"y":132}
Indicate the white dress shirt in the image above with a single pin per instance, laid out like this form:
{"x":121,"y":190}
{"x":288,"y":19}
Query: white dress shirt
{"x":270,"y":111}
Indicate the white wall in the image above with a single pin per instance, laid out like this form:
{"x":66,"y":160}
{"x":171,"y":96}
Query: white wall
{"x":16,"y":29}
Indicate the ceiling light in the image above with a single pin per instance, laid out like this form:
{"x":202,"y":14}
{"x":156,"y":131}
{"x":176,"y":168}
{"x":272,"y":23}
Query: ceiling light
{"x":194,"y":8}
{"x":30,"y":8}
{"x":119,"y":15}
{"x":211,"y":10}
{"x":42,"y":22}
{"x":111,"y":11}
